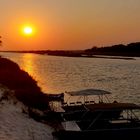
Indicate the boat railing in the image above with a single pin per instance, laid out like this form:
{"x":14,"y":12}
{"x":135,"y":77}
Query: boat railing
{"x":94,"y":120}
{"x":78,"y":103}
{"x":130,"y":115}
{"x":87,"y":96}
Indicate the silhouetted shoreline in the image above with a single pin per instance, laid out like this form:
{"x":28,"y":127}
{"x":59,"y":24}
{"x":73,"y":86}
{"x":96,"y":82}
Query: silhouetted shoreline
{"x":75,"y":54}
{"x":118,"y":51}
{"x":24,"y":86}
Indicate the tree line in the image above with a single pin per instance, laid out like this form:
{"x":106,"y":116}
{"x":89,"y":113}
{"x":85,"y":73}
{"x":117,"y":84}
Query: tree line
{"x":132,"y":49}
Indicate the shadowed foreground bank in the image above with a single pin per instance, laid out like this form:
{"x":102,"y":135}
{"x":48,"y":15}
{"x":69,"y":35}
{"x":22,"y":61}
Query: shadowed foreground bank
{"x":23,"y":85}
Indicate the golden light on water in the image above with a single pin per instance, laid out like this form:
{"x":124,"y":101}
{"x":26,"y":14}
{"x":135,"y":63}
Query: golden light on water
{"x":28,"y":64}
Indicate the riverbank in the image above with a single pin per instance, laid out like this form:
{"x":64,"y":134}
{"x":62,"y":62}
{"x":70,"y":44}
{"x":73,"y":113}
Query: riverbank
{"x":24,"y":86}
{"x":21,"y":104}
{"x":78,"y":54}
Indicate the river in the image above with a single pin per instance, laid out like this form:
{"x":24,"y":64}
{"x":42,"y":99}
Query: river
{"x":59,"y":74}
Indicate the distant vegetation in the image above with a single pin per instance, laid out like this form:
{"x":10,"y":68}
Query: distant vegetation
{"x":132,"y":49}
{"x":24,"y":86}
{"x":129,"y":50}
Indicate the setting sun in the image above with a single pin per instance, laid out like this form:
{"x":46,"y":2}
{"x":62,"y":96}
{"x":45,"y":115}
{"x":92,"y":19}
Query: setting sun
{"x":28,"y":30}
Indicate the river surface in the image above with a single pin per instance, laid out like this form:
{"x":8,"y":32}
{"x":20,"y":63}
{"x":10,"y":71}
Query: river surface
{"x":59,"y":74}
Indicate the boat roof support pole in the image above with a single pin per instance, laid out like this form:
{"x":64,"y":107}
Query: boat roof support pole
{"x":98,"y":116}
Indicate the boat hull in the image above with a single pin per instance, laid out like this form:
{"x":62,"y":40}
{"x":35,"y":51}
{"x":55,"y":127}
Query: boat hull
{"x":109,"y":134}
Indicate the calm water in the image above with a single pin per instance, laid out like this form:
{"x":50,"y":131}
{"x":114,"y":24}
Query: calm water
{"x":60,"y":74}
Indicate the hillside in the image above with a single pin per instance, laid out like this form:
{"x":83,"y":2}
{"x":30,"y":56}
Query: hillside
{"x":23,"y":106}
{"x":23,"y":85}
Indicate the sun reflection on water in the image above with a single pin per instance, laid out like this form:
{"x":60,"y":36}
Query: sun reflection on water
{"x":28,"y":63}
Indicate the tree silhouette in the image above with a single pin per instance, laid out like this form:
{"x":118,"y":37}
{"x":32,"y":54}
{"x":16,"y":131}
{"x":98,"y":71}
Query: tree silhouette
{"x":132,"y":49}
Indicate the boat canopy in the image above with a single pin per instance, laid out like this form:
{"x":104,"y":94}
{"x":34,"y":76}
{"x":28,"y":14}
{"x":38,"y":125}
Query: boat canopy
{"x":87,"y":92}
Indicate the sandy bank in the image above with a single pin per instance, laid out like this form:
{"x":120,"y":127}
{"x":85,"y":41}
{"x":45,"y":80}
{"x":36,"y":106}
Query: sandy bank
{"x":16,"y":125}
{"x":18,"y":93}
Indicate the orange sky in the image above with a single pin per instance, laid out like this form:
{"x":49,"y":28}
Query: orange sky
{"x":68,"y":24}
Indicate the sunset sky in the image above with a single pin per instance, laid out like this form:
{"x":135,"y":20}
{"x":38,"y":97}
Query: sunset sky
{"x":68,"y":24}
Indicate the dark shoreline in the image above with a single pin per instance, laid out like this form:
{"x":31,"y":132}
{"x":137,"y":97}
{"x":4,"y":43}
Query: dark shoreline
{"x":111,"y":57}
{"x":24,"y":86}
{"x":118,"y":51}
{"x":77,"y":54}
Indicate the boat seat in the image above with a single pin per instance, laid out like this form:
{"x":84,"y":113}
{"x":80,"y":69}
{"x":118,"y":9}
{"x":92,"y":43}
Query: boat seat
{"x":78,"y":102}
{"x":64,"y":104}
{"x":72,"y":103}
{"x":92,"y":102}
{"x":87,"y":102}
